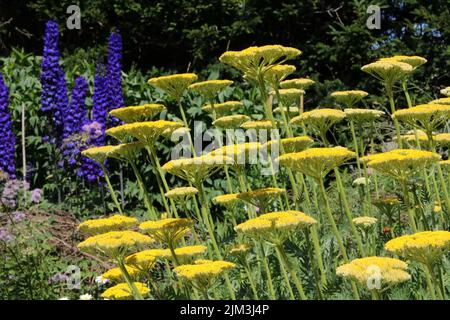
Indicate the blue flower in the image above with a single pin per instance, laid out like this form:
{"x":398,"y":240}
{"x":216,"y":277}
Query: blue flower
{"x":7,"y":138}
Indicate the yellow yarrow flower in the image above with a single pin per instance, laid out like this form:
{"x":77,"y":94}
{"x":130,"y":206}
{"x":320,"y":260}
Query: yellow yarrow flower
{"x":375,"y":272}
{"x":174,"y":85}
{"x":275,"y":227}
{"x":255,"y":61}
{"x":299,"y":83}
{"x":425,"y":247}
{"x":182,"y":193}
{"x":211,"y":88}
{"x":278,"y":73}
{"x":122,"y":291}
{"x":362,"y":115}
{"x":115,"y":244}
{"x":349,"y":97}
{"x":446,"y":91}
{"x":222,"y":109}
{"x":316,"y":162}
{"x":137,"y":113}
{"x":126,"y":151}
{"x":290,"y":96}
{"x":114,"y":223}
{"x":115,"y":275}
{"x":241,"y":153}
{"x":290,"y":110}
{"x":168,"y":231}
{"x":414,"y":61}
{"x":364,"y":222}
{"x":319,"y":120}
{"x":98,"y":154}
{"x":227,"y":200}
{"x":231,"y":122}
{"x":388,"y":72}
{"x":196,"y":169}
{"x":401,"y":163}
{"x":203,"y":275}
{"x":260,"y":124}
{"x":261,"y":198}
{"x":290,"y":145}
{"x":427,"y":117}
{"x":240,"y":249}
{"x":441,"y":101}
{"x":146,"y":132}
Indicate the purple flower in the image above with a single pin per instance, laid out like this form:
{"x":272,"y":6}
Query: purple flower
{"x":54,"y":88}
{"x":76,"y":115}
{"x":58,"y":277}
{"x":100,"y":102}
{"x":5,"y":236}
{"x":10,"y":193}
{"x":18,"y":216}
{"x":36,"y":195}
{"x":115,"y":73}
{"x":7,"y":138}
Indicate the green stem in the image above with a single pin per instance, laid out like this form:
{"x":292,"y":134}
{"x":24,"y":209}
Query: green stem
{"x":111,"y":190}
{"x":136,"y":294}
{"x":144,"y":192}
{"x":293,"y":274}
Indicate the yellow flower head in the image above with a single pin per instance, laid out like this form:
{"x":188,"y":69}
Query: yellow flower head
{"x":427,"y":117}
{"x":114,"y":223}
{"x":98,"y":154}
{"x":261,"y":198}
{"x":290,"y":110}
{"x":446,"y":91}
{"x":145,"y":260}
{"x":299,"y":83}
{"x":126,"y":151}
{"x":167,"y":231}
{"x":370,"y":270}
{"x":122,"y":291}
{"x":316,"y":162}
{"x":115,"y":244}
{"x":182,"y":193}
{"x":174,"y":85}
{"x":442,"y":139}
{"x":203,"y":274}
{"x":275,"y":227}
{"x":189,"y":252}
{"x":196,"y":169}
{"x":401,"y":163}
{"x":257,"y":60}
{"x":222,"y":109}
{"x":445,"y":163}
{"x":260,"y":124}
{"x":240,"y":249}
{"x":349,"y":97}
{"x":289,"y":96}
{"x":388,"y":72}
{"x":425,"y":247}
{"x":227,"y":200}
{"x":231,"y":122}
{"x":362,"y":115}
{"x":414,"y":61}
{"x":278,"y":73}
{"x":137,"y":113}
{"x":319,"y":120}
{"x":441,"y":101}
{"x":240,"y":153}
{"x":290,"y":145}
{"x":115,"y":275}
{"x":147,"y":132}
{"x":364,"y":222}
{"x":211,"y":88}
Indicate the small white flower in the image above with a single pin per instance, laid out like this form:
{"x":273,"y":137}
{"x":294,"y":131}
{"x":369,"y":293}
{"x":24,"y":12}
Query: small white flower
{"x":100,"y":280}
{"x":64,"y":298}
{"x":86,"y":296}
